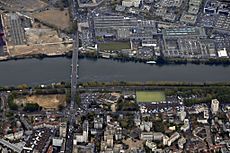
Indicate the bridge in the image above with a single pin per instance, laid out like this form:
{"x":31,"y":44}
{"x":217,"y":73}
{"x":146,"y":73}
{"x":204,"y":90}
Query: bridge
{"x":74,"y":70}
{"x":74,"y":78}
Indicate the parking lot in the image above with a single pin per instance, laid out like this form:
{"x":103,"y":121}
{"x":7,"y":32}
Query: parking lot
{"x":207,"y":20}
{"x":169,"y":104}
{"x":145,"y":53}
{"x":222,"y":41}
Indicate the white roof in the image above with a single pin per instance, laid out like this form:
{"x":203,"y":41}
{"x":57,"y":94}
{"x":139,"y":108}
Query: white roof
{"x":222,"y":53}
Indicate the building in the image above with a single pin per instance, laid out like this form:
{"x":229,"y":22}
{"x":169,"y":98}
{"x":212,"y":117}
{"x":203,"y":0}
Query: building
{"x":9,"y":136}
{"x":118,"y":133}
{"x":181,"y":142}
{"x":211,"y":49}
{"x":84,"y":136}
{"x":147,"y":136}
{"x":171,"y":17}
{"x":206,"y":114}
{"x":131,"y":3}
{"x":160,"y":11}
{"x":222,"y":53}
{"x":202,"y":120}
{"x":151,"y":145}
{"x":173,"y":138}
{"x":193,"y":9}
{"x":63,"y":129}
{"x":214,"y":106}
{"x":211,"y":7}
{"x":186,"y":125}
{"x":194,"y":6}
{"x":165,"y":140}
{"x":182,"y":115}
{"x":158,"y":136}
{"x":137,"y":119}
{"x":108,"y":138}
{"x":149,"y":42}
{"x":180,"y":32}
{"x":57,"y":142}
{"x":120,"y":8}
{"x":124,"y":28}
{"x":216,"y":7}
{"x":18,"y":135}
{"x":171,"y":3}
{"x":89,"y":3}
{"x":188,"y":18}
{"x":98,"y":122}
{"x":146,"y":126}
{"x":224,"y":9}
{"x":89,"y":148}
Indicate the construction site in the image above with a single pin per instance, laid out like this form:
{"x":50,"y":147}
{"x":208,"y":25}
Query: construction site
{"x":25,"y":36}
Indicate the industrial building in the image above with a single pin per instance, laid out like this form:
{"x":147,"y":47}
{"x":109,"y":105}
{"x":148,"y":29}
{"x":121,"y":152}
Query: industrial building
{"x":131,"y":3}
{"x":120,"y":27}
{"x":191,"y":32}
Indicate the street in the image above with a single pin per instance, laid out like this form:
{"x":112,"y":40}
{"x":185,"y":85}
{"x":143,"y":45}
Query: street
{"x":74,"y":77}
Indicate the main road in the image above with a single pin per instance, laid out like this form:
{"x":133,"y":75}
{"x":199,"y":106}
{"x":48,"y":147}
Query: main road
{"x":74,"y":76}
{"x":74,"y":71}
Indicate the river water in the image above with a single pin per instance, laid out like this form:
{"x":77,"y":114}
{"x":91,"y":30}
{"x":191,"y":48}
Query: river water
{"x":49,"y":70}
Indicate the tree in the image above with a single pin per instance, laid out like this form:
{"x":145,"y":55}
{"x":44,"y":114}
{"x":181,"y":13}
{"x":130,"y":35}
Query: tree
{"x":32,"y":107}
{"x":68,"y":96}
{"x":23,"y":86}
{"x":12,"y":105}
{"x":60,"y":107}
{"x":158,"y":126}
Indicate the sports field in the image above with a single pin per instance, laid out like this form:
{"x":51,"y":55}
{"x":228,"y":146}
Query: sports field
{"x":150,"y":96}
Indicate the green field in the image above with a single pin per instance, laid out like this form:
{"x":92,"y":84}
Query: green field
{"x":114,"y":46}
{"x":150,"y":96}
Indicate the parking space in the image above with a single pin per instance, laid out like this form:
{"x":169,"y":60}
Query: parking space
{"x":169,"y":104}
{"x":145,"y":53}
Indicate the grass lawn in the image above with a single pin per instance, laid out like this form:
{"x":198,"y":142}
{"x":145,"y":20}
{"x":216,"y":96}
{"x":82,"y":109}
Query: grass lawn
{"x":114,"y":46}
{"x":150,"y":96}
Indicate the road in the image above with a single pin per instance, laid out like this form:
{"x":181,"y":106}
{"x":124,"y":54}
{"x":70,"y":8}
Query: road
{"x":74,"y":72}
{"x":3,"y":107}
{"x":72,"y":109}
{"x":74,"y":76}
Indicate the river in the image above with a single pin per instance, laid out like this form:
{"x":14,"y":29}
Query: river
{"x":49,"y":70}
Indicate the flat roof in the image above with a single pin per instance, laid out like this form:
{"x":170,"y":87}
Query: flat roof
{"x":185,"y":31}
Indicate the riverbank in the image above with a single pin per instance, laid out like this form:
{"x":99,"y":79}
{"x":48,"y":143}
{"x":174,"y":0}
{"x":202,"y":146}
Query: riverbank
{"x":35,"y":56}
{"x":192,"y":92}
{"x":158,"y":61}
{"x":116,"y":85}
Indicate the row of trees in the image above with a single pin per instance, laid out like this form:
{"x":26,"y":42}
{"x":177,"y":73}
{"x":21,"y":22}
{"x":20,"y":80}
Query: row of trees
{"x":202,"y":94}
{"x":210,"y":61}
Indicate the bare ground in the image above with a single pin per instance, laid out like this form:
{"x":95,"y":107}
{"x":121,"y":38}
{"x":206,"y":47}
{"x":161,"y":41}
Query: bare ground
{"x":45,"y":101}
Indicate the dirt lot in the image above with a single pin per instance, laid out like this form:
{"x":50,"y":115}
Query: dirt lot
{"x":41,"y":41}
{"x":45,"y":101}
{"x":39,"y":36}
{"x":24,"y":5}
{"x":55,"y":17}
{"x":48,"y":49}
